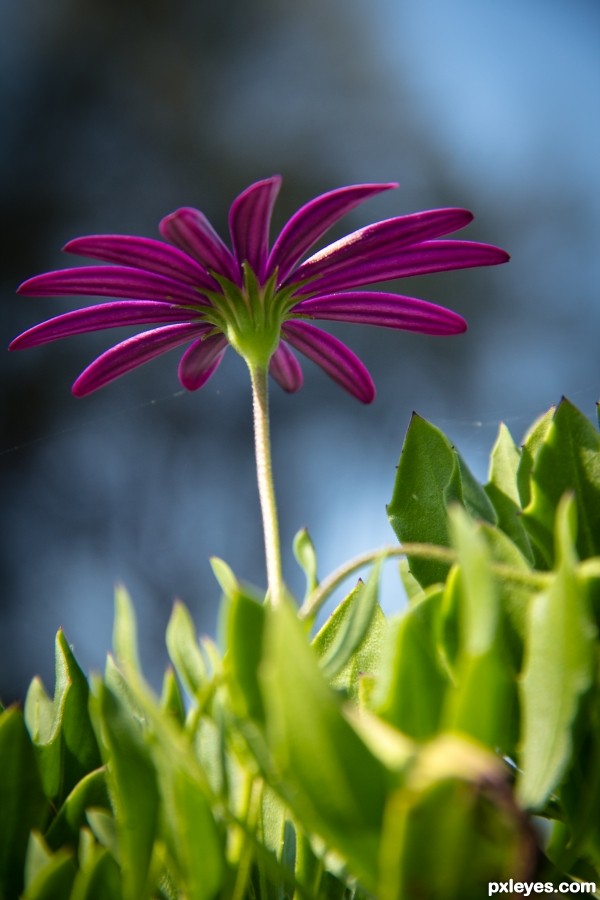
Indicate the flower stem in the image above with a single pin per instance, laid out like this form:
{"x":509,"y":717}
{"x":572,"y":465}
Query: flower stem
{"x":266,"y":489}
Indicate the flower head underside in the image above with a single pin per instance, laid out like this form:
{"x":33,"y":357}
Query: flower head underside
{"x":194,"y":290}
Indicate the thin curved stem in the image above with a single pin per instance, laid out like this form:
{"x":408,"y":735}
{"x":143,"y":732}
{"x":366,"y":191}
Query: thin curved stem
{"x":313,"y":603}
{"x":266,"y":489}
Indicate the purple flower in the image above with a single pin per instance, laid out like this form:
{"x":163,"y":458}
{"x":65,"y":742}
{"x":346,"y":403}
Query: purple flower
{"x":195,"y":290}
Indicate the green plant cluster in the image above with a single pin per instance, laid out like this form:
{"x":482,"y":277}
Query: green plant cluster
{"x":420,"y":755}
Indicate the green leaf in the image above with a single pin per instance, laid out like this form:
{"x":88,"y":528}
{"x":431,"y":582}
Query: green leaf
{"x":61,"y":729}
{"x":91,"y":791}
{"x":132,"y":778}
{"x":502,"y":490}
{"x":170,"y":804}
{"x":515,"y":585}
{"x":125,"y":643}
{"x":482,"y":701}
{"x":333,"y":782}
{"x":567,"y":460}
{"x":191,"y":833}
{"x":103,"y":827}
{"x":412,"y":684}
{"x":171,"y":700}
{"x":98,"y":877}
{"x":358,"y":676}
{"x":304,"y":552}
{"x":244,"y":627}
{"x":532,"y":443}
{"x":22,"y":802}
{"x":558,"y":670}
{"x":184,"y":650}
{"x":431,"y":475}
{"x":225,"y":577}
{"x":346,"y":629}
{"x":48,"y":875}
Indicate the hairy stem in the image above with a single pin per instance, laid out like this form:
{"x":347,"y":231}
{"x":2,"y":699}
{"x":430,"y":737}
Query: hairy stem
{"x":266,"y":489}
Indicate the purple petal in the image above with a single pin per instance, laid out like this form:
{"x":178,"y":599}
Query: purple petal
{"x":285,"y":369}
{"x":312,"y":220}
{"x":133,"y":352}
{"x":385,"y":310}
{"x":200,"y":360}
{"x":421,"y":259}
{"x":190,"y":230}
{"x":143,"y":253}
{"x":249,"y":220}
{"x":93,"y":318}
{"x":110,"y":281}
{"x":384,"y":239}
{"x":335,"y":358}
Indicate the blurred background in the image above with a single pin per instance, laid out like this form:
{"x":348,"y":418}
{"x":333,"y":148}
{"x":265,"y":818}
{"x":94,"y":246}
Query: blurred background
{"x":116,"y":112}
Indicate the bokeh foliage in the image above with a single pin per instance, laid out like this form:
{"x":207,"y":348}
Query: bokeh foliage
{"x":418,"y":755}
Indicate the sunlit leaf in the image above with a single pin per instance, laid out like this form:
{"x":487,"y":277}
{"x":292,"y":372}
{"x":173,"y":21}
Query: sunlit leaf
{"x":412,"y":684}
{"x":125,"y":642}
{"x":90,"y":791}
{"x":306,"y":557}
{"x":431,"y":475}
{"x":61,"y":729}
{"x":132,"y":778}
{"x":568,"y":459}
{"x":558,"y":670}
{"x":502,"y":490}
{"x":244,"y":628}
{"x":334,"y":783}
{"x":347,"y":627}
{"x":184,"y":650}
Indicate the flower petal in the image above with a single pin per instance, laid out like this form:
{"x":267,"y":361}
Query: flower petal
{"x":285,"y":369}
{"x":190,"y":230}
{"x":420,"y":259}
{"x":385,"y":310}
{"x":335,"y":358}
{"x":110,"y":281}
{"x":312,"y":220}
{"x":143,"y":253}
{"x":382,"y":239}
{"x":249,"y":220}
{"x":200,"y":360}
{"x":92,"y":318}
{"x":134,"y":352}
